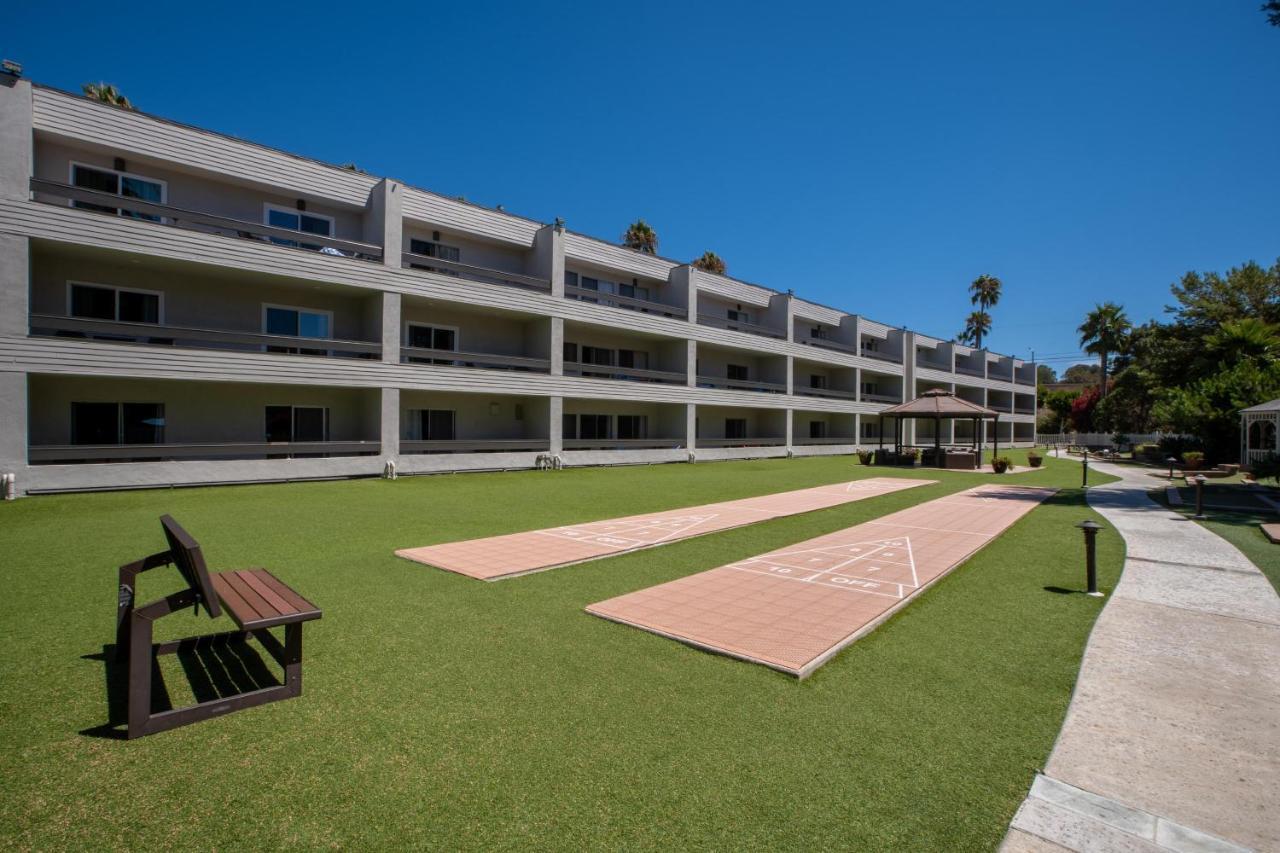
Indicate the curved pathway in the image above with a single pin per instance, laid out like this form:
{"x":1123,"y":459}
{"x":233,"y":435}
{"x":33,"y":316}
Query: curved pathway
{"x":1172,"y":740}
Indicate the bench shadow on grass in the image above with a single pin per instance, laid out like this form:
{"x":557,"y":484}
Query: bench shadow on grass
{"x":214,"y":670}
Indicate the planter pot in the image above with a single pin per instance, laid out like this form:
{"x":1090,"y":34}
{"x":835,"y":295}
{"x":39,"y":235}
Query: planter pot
{"x":1035,"y":461}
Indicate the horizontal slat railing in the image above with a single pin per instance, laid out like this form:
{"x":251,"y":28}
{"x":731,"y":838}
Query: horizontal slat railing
{"x":630,"y":303}
{"x":632,"y":374}
{"x":622,"y":443}
{"x":970,"y":371}
{"x":45,"y":453}
{"x":182,"y":336}
{"x":741,"y":384}
{"x":740,"y":326}
{"x":491,"y":445}
{"x":768,"y":441}
{"x":474,"y":273}
{"x":881,"y":356}
{"x":827,"y":343}
{"x":181,"y":218}
{"x":487,"y":361}
{"x":933,"y":365}
{"x":826,"y":439}
{"x":880,"y":398}
{"x":826,"y":392}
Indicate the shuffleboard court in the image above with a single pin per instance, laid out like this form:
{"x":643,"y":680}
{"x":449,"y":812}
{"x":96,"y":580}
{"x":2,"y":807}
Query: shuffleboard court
{"x":794,"y":608}
{"x":498,"y":557}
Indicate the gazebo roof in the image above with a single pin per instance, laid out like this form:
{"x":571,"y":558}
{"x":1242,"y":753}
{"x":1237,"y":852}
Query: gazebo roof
{"x":937,"y":403}
{"x":1273,"y":406}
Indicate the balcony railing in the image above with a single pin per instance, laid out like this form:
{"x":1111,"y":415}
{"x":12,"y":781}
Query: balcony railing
{"x":629,"y":374}
{"x":827,"y":343}
{"x":68,"y":453}
{"x":931,"y":364}
{"x":834,"y":393}
{"x":740,"y":326}
{"x":483,"y":445}
{"x":969,"y":371}
{"x":826,"y":439}
{"x":881,"y":398}
{"x":765,"y":441}
{"x":48,"y":325}
{"x":207,"y":223}
{"x":623,"y":443}
{"x":482,"y":360}
{"x":1024,"y":410}
{"x":881,"y":356}
{"x":1025,"y":380}
{"x":741,"y":384}
{"x":474,"y":273}
{"x":628,"y":303}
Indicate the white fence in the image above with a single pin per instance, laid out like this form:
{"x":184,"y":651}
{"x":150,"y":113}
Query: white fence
{"x":1097,"y":439}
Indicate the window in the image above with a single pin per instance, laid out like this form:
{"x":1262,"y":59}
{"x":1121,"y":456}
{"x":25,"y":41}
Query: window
{"x":870,"y":430}
{"x":570,"y":351}
{"x":871,"y":344}
{"x":818,"y":333}
{"x":633,"y":426}
{"x":634,"y":359}
{"x":431,"y":249}
{"x":870,"y":388}
{"x":633,"y":291}
{"x":433,"y":425}
{"x":297,"y":423}
{"x":295,"y":323}
{"x":117,"y":423}
{"x":593,"y":426}
{"x":739,"y":316}
{"x":570,"y":279}
{"x":817,"y":380}
{"x":99,"y":302}
{"x":735,"y":427}
{"x":423,"y":336}
{"x":817,"y":429}
{"x":121,"y":184}
{"x":297,"y":220}
{"x":737,"y":372}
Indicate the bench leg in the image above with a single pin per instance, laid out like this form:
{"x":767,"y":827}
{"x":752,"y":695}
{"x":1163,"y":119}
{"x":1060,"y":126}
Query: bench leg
{"x":139,"y":648}
{"x":293,"y":658}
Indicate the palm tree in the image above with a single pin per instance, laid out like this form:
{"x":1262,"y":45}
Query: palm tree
{"x":107,"y":94}
{"x":641,"y":237}
{"x":710,"y":262}
{"x":985,"y":293}
{"x":977,"y":324}
{"x":1103,"y":332}
{"x":1249,"y":337}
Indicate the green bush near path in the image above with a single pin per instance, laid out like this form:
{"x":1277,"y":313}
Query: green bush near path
{"x":442,"y":711}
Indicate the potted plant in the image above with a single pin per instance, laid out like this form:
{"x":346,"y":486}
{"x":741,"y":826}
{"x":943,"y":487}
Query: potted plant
{"x":1034,"y":459}
{"x":866,"y":457}
{"x":1000,"y":464}
{"x":908,"y":456}
{"x":1192,"y":460}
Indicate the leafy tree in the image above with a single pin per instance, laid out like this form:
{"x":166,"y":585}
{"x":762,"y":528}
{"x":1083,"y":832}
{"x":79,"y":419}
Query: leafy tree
{"x":1059,"y":405}
{"x":710,"y":262}
{"x":641,"y":237}
{"x":1210,"y":407}
{"x":1085,"y":374}
{"x":1046,"y":375}
{"x":984,"y":291}
{"x":1272,"y":8}
{"x":977,"y":324}
{"x":1240,"y":339}
{"x":1082,"y":409}
{"x":1208,"y":300}
{"x":1103,"y":332}
{"x":107,"y":94}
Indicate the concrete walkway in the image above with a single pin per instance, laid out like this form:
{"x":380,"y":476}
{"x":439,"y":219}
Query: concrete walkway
{"x":1172,"y":740}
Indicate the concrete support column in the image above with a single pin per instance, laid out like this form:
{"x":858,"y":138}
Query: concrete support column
{"x":390,"y":419}
{"x":682,"y":290}
{"x":781,"y":313}
{"x":789,"y":422}
{"x":857,"y":383}
{"x":547,"y":258}
{"x":391,"y":328}
{"x":692,"y":364}
{"x":556,"y":344}
{"x":908,"y":382}
{"x":384,"y":220}
{"x":13,"y":425}
{"x":791,"y":374}
{"x":691,"y":425}
{"x":15,"y":139}
{"x":555,"y":423}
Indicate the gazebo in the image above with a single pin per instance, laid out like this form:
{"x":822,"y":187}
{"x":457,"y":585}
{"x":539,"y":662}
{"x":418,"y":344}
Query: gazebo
{"x":1259,"y":428}
{"x":939,"y":405}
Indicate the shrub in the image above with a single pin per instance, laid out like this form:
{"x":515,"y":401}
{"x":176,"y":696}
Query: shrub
{"x":909,"y":456}
{"x":1000,"y":464}
{"x":1176,"y":445}
{"x":866,"y":457}
{"x":1267,"y":468}
{"x":1034,"y":459}
{"x":1192,"y":459}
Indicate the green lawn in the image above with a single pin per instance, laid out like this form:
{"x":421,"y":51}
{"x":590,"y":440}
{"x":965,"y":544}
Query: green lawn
{"x":442,"y":711}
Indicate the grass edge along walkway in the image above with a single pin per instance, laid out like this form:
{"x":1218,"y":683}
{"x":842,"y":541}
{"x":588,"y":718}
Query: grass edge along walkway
{"x":438,"y":711}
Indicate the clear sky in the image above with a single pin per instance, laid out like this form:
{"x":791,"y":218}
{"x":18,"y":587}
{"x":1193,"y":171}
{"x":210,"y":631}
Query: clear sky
{"x":871,"y":156}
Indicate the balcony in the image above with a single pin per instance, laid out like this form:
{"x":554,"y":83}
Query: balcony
{"x":48,"y":325}
{"x":625,"y":374}
{"x":831,"y":393}
{"x":474,"y":360}
{"x":931,"y":364}
{"x":741,"y":326}
{"x":741,"y":384}
{"x":764,"y":441}
{"x":206,"y":223}
{"x":622,"y":443}
{"x":970,"y":371}
{"x":46,"y":454}
{"x":627,"y":303}
{"x":827,"y":343}
{"x":881,"y":356}
{"x":486,"y":445}
{"x":882,"y":398}
{"x":468,"y":272}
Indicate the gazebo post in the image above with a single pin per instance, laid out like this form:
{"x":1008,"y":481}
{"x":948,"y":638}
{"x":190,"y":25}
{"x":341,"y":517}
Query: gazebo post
{"x":937,"y":442}
{"x":880,"y":441}
{"x":995,"y":439}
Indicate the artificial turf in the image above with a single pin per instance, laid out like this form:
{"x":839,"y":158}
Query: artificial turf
{"x":439,"y":711}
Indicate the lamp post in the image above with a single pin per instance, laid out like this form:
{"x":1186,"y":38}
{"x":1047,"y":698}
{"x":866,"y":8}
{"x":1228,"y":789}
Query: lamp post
{"x":1199,"y":481}
{"x":1084,"y":470}
{"x":1091,"y":529}
{"x":1172,"y":461}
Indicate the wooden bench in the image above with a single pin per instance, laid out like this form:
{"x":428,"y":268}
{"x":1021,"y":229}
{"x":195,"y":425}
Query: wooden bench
{"x":254,"y":598}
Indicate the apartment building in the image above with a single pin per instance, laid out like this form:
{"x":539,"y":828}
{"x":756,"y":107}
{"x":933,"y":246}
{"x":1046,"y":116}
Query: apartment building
{"x":178,"y":306}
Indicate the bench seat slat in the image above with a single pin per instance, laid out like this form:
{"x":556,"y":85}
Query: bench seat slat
{"x":287,"y":593}
{"x":260,"y":609}
{"x":236,"y":606}
{"x":273,"y":598}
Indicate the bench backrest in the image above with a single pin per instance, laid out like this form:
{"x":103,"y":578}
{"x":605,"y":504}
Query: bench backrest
{"x":190,"y":562}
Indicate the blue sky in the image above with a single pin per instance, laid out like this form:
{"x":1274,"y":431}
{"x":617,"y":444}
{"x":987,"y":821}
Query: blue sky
{"x":872,"y":156}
